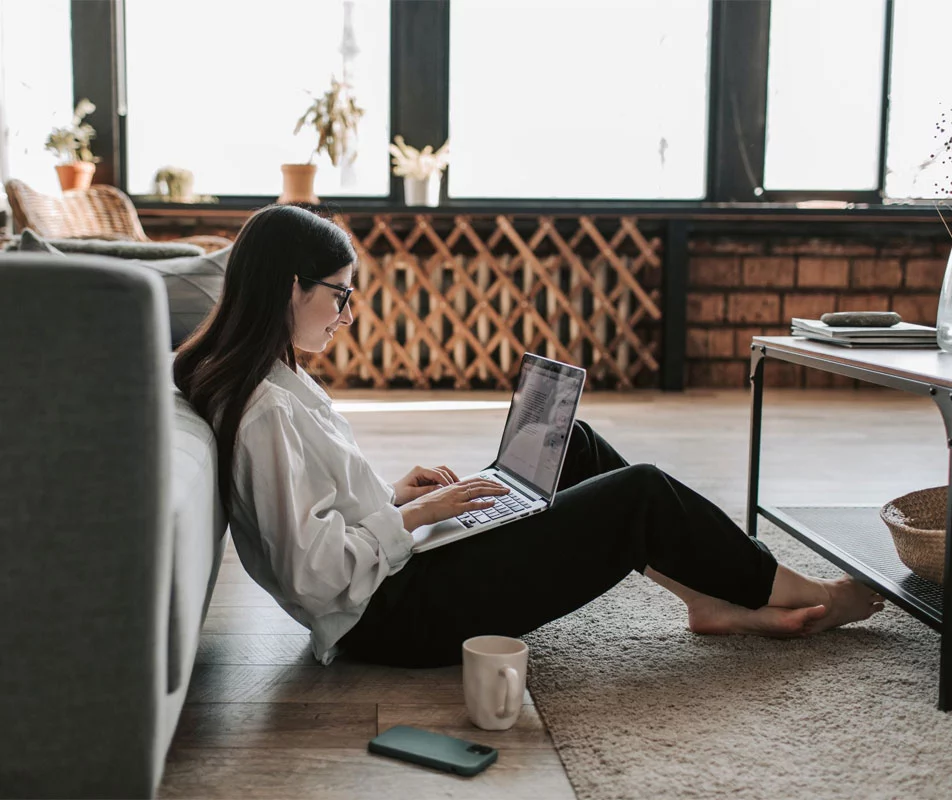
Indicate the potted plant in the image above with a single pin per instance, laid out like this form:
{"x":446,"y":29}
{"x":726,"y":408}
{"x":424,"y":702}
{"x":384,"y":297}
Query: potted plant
{"x":174,"y":184}
{"x":71,"y":144}
{"x":421,"y":171}
{"x":334,"y":117}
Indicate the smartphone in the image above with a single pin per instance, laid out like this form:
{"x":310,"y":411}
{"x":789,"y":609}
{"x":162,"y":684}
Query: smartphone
{"x":433,"y":750}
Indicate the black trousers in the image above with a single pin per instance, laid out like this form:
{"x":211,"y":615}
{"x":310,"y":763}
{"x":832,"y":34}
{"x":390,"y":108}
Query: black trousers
{"x":608,"y":518}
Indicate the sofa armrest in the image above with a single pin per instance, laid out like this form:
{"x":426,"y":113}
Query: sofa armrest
{"x":85,"y":529}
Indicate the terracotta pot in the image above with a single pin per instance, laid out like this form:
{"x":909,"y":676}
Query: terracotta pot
{"x":76,"y":175}
{"x":298,"y":183}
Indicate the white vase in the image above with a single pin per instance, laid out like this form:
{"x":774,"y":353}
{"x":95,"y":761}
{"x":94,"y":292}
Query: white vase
{"x":422,"y":192}
{"x":943,"y":322}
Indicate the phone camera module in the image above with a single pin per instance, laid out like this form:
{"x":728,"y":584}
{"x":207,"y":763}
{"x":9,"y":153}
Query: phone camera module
{"x":481,"y":749}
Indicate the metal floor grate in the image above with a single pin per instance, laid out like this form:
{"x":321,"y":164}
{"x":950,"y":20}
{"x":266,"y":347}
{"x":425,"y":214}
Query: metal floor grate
{"x":863,"y":540}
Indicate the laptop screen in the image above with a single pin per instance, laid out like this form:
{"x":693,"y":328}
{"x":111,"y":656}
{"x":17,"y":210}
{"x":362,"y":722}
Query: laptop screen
{"x":536,"y":436}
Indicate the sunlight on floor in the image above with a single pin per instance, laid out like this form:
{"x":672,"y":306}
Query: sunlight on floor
{"x":357,"y":406}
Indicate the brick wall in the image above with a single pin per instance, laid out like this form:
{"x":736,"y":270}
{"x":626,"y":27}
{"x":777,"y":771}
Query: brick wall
{"x":741,"y":287}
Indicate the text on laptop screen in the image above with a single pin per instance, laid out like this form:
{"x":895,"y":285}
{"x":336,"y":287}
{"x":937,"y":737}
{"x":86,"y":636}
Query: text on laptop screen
{"x":539,"y":423}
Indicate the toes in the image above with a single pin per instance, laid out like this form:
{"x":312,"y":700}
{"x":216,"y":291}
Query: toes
{"x":811,"y":619}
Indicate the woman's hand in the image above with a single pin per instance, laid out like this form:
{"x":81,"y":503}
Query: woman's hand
{"x":449,"y":501}
{"x":420,"y":481}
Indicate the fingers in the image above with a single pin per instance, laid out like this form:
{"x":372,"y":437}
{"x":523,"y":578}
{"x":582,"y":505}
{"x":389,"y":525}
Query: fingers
{"x":421,"y":476}
{"x":477,"y":491}
{"x":449,"y":472}
{"x":435,"y":475}
{"x":478,"y":487}
{"x":476,"y":505}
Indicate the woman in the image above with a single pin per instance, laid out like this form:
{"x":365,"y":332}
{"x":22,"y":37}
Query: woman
{"x":330,"y":540}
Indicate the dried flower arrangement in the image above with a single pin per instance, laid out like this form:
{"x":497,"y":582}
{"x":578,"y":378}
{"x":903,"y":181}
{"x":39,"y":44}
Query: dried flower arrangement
{"x":943,"y":152}
{"x":943,"y":155}
{"x":334,"y":116}
{"x":408,"y":162}
{"x":71,"y":143}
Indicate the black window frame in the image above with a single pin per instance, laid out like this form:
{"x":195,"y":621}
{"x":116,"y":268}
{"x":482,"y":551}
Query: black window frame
{"x":419,"y":98}
{"x":869,"y":196}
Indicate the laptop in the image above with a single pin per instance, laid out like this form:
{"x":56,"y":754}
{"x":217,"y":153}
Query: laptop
{"x":531,"y":452}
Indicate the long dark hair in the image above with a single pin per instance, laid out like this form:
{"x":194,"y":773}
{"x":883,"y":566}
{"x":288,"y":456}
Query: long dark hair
{"x":231,"y":352}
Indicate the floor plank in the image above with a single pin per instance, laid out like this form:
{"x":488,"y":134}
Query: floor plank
{"x":314,"y":683}
{"x":243,"y":619}
{"x":243,"y":648}
{"x":233,"y":572}
{"x":344,"y":774}
{"x":339,"y":683}
{"x":242,"y":594}
{"x":277,"y":725}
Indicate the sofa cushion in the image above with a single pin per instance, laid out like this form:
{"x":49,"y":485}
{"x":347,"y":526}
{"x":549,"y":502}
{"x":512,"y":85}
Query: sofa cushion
{"x":193,"y":283}
{"x":116,"y":248}
{"x":199,"y":526}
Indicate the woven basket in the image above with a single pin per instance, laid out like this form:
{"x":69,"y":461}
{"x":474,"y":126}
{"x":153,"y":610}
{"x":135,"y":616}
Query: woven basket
{"x":917,"y":524}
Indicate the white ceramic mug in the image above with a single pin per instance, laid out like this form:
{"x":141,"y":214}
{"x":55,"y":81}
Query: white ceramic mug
{"x":494,"y":680}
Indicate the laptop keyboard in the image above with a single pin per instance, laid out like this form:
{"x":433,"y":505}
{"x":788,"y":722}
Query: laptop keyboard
{"x":507,"y":505}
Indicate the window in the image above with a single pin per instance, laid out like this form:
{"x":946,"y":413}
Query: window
{"x":37,"y":87}
{"x":824,"y":94}
{"x":571,"y":100}
{"x":917,"y":165}
{"x":217,"y":88}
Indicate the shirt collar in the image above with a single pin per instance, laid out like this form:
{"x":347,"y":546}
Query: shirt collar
{"x":298,"y":382}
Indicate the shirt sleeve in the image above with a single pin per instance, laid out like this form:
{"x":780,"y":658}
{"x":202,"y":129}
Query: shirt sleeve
{"x":320,"y":563}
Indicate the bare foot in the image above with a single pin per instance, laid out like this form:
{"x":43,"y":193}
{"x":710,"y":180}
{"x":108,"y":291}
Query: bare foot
{"x":850,"y":601}
{"x":712,"y":616}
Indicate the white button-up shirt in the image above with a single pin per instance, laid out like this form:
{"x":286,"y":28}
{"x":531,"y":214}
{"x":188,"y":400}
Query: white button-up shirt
{"x":312,"y":522}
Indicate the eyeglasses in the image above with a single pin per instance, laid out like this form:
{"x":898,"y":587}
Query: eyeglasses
{"x":341,"y":298}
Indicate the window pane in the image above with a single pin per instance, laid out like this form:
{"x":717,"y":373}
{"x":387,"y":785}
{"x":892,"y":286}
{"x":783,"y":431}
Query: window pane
{"x":824,"y":94}
{"x":36,"y":52}
{"x":919,"y":95}
{"x":217,"y":88}
{"x":564,"y":99}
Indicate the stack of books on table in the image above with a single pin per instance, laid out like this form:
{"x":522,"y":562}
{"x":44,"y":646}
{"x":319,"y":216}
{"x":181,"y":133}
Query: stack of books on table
{"x":902,"y":334}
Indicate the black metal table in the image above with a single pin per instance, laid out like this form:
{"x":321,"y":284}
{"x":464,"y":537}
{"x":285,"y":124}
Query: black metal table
{"x":855,"y":538}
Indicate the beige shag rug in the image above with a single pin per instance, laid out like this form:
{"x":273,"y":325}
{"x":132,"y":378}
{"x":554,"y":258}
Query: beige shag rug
{"x":639,"y":707}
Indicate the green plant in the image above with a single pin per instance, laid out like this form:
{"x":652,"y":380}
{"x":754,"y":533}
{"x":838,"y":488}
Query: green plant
{"x":174,"y":183}
{"x":71,"y":143}
{"x":334,"y":117}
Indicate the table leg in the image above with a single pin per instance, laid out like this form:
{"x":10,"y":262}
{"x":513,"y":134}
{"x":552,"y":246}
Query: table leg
{"x":943,"y":399}
{"x":757,"y":355}
{"x":945,"y":653}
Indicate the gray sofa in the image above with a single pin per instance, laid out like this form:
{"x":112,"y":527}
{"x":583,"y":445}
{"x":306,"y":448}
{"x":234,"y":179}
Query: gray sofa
{"x":111,"y":531}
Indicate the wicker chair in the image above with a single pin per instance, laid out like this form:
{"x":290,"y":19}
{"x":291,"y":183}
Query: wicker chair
{"x":100,"y":212}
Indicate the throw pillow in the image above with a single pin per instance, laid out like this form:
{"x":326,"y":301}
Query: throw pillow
{"x":31,"y":243}
{"x":144,"y":251}
{"x":193,"y":283}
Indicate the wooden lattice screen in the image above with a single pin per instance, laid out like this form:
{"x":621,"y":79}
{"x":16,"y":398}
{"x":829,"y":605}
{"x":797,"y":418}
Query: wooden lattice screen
{"x":456,"y":301}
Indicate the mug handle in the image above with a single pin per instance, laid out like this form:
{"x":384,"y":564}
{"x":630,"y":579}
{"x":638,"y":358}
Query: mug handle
{"x":512,"y":700}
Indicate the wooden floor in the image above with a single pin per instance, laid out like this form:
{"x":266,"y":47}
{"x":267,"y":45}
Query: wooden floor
{"x":263,"y":720}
